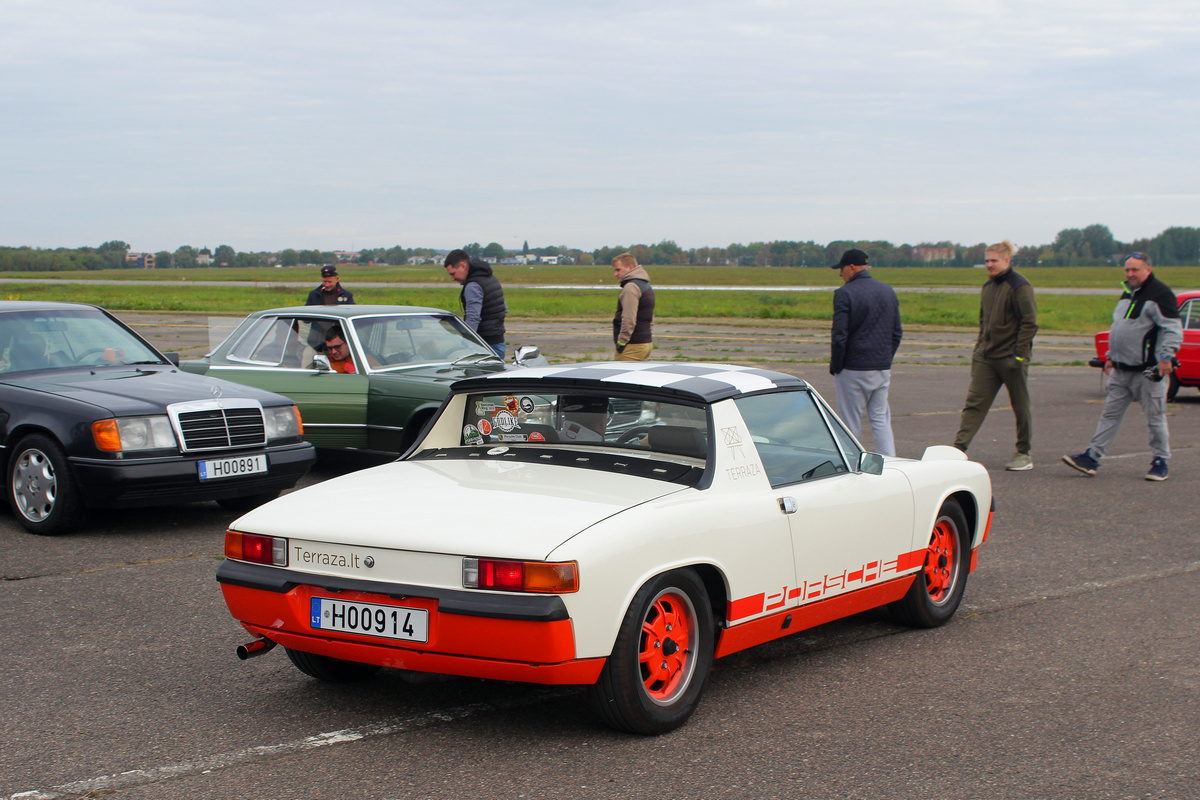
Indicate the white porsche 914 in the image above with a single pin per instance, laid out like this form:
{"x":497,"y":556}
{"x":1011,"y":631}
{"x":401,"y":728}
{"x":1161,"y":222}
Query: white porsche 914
{"x":617,"y":525}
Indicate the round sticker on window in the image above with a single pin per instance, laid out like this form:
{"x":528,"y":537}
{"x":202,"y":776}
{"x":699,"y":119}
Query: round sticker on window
{"x":504,"y":421}
{"x":527,"y":405}
{"x":485,"y":427}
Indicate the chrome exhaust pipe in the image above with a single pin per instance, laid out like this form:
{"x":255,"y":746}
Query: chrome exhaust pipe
{"x":256,"y":648}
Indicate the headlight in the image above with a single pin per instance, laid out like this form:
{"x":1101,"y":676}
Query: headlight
{"x":282,"y":422}
{"x":133,"y":433}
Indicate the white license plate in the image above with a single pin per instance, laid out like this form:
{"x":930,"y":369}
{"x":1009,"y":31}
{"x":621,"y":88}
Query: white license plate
{"x":370,"y":619}
{"x":232,"y":467}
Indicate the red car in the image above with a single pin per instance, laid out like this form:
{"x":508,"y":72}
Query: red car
{"x":1188,"y":373}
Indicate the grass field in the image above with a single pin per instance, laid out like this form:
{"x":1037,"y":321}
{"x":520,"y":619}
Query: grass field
{"x":1067,"y":313}
{"x":1080,"y":277}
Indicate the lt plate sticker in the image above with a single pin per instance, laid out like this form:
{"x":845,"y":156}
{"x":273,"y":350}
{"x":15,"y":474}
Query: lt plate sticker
{"x":471,"y":435}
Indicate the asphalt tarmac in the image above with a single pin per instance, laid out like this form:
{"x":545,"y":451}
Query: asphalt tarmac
{"x":1069,"y":672}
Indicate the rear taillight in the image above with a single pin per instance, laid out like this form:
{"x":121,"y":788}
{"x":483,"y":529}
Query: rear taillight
{"x":521,"y":576}
{"x":258,"y":549}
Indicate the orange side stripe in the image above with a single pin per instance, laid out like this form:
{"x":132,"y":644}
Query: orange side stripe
{"x":768,"y":628}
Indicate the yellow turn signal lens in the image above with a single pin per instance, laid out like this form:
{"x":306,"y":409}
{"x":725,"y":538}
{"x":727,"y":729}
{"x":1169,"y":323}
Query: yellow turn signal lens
{"x":107,"y":437}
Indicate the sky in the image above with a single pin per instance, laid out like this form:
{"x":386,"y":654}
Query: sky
{"x":265,"y":124}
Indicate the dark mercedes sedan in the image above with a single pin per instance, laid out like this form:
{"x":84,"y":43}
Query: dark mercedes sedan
{"x":93,"y":417}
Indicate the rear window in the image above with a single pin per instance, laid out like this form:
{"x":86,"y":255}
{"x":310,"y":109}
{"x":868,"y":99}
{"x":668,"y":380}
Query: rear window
{"x":583,"y":420}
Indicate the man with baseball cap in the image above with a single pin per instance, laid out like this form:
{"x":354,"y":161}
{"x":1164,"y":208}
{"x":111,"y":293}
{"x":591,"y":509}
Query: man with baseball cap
{"x":330,"y":292}
{"x":866,"y":334}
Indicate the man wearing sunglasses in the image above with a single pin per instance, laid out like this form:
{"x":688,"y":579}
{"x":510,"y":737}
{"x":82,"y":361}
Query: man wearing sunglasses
{"x":338,"y":351}
{"x":1142,"y":342}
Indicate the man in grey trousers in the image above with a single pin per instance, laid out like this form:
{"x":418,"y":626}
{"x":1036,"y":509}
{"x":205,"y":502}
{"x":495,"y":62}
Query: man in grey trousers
{"x":1142,"y":343}
{"x":866,"y":334}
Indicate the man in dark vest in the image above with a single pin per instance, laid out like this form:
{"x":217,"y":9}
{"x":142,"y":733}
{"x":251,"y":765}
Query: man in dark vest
{"x":482,"y":298}
{"x":635,"y":310}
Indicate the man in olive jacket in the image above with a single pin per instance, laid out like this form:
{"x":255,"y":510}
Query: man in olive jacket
{"x":1007,"y":324}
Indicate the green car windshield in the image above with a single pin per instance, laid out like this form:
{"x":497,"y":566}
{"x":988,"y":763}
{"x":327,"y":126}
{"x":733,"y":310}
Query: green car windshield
{"x":386,"y":341}
{"x":404,"y":340}
{"x":586,"y":420}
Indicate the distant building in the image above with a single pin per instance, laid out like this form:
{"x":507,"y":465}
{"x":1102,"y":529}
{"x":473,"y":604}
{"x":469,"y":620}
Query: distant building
{"x":932,"y":254}
{"x":140,"y":260}
{"x":204,"y":259}
{"x":345,"y":256}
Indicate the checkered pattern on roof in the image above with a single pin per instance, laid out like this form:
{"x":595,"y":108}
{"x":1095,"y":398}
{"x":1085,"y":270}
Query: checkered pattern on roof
{"x":709,"y":382}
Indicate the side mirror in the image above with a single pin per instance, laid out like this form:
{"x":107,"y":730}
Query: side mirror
{"x":870,"y":463}
{"x":321,"y":363}
{"x":173,"y":358}
{"x":525,"y":354}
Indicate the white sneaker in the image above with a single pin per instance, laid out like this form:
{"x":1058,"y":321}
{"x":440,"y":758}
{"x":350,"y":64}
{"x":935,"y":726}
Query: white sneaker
{"x":1020,"y":462}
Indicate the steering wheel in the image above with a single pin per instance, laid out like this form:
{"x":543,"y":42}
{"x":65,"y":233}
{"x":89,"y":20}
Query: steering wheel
{"x":79,"y":358}
{"x":632,"y":433}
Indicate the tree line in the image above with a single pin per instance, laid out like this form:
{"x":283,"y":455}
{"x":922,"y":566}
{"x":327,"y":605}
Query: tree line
{"x":1093,"y":245}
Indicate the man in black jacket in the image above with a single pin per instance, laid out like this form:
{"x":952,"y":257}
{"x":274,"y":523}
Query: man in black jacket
{"x":481,"y":297}
{"x":330,"y":292}
{"x":866,"y":334}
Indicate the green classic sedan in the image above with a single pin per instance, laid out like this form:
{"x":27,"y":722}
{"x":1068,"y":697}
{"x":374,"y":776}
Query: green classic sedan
{"x":373,"y":393}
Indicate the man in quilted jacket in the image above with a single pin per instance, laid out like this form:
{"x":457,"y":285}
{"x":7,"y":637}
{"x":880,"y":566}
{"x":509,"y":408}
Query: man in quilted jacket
{"x":866,"y":333}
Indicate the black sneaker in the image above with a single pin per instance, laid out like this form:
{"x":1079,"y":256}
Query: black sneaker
{"x":1158,"y":470}
{"x":1088,"y":465}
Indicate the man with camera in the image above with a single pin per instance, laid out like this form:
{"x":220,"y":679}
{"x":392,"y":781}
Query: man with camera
{"x":1142,"y":342}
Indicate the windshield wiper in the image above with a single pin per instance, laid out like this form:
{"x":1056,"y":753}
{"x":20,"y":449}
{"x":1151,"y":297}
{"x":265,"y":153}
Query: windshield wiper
{"x":475,"y":359}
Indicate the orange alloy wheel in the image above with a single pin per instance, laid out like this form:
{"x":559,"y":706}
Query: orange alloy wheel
{"x":941,"y":562}
{"x":666,"y":655}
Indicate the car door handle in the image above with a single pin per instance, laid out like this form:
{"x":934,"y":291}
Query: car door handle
{"x":788,"y":505}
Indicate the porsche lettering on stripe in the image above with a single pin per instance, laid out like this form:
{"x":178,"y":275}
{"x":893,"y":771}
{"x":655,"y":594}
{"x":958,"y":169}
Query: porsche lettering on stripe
{"x":819,"y":588}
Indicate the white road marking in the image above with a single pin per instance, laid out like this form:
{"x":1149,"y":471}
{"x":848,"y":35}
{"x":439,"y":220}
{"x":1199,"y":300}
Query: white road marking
{"x":1082,"y":588}
{"x":141,"y":777}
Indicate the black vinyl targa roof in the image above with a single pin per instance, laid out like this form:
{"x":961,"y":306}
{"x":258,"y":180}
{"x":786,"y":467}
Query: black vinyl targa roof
{"x":697,"y":381}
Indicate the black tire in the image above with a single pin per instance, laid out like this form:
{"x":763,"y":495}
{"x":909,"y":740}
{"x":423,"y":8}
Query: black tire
{"x":329,"y":669}
{"x":649,"y":699}
{"x":938,"y":589}
{"x":413,"y":429}
{"x":246,"y":502}
{"x":41,"y":489}
{"x":1173,"y":385}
